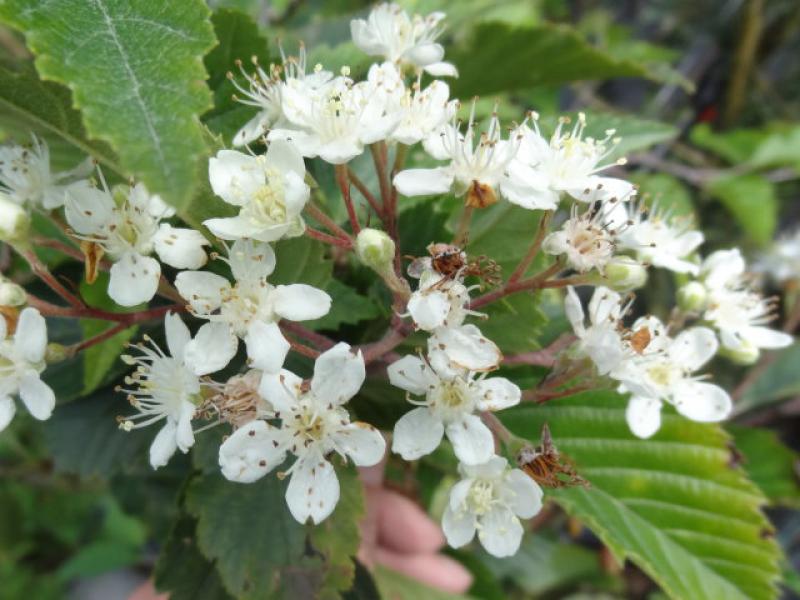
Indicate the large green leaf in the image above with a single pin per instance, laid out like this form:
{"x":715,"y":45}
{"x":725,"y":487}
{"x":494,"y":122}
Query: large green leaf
{"x":136,"y":72}
{"x":752,"y":201}
{"x":770,"y":464}
{"x":777,"y":382}
{"x":499,"y":57}
{"x":675,"y":504}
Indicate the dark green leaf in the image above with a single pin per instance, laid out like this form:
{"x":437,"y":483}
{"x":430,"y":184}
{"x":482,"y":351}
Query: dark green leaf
{"x":771,"y":465}
{"x":778,"y":381}
{"x":752,"y":202}
{"x":348,"y":308}
{"x":302,"y":260}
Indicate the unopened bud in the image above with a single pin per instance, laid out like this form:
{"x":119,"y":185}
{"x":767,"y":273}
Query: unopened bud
{"x":14,"y":221}
{"x":692,"y":297}
{"x":55,"y":353}
{"x":623,"y":274}
{"x":375,"y":249}
{"x":746,"y":354}
{"x":11,"y":294}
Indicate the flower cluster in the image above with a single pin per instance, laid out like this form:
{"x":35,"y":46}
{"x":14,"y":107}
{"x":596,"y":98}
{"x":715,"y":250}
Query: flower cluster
{"x":606,"y":239}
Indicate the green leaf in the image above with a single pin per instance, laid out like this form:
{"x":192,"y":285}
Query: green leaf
{"x":673,"y":504}
{"x":348,"y":307}
{"x":752,"y":201}
{"x":667,"y":191}
{"x":182,"y":571}
{"x":770,"y":464}
{"x":302,"y":260}
{"x":239,"y":39}
{"x":135,"y":69}
{"x":780,"y":380}
{"x":515,"y":323}
{"x":498,"y":57}
{"x":395,"y":586}
{"x":247,"y":530}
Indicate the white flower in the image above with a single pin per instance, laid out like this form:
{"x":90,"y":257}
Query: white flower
{"x":476,"y":167}
{"x":21,"y":361}
{"x":270,"y":191}
{"x":336,"y":120}
{"x":569,"y":163}
{"x":439,"y":301}
{"x":167,"y":386}
{"x":389,"y":32}
{"x":15,"y":220}
{"x":313,"y":424}
{"x":782,"y":260}
{"x":657,"y":237}
{"x":251,"y":307}
{"x":601,"y":340}
{"x":737,"y":312}
{"x":449,"y":407}
{"x":662,"y":372}
{"x":586,"y":239}
{"x":26,"y":178}
{"x":130,"y":232}
{"x":458,"y":348}
{"x":423,"y":112}
{"x":490,"y":499}
{"x":264,"y":91}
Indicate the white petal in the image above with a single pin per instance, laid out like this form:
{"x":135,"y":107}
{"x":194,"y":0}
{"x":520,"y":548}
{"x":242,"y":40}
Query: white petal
{"x":421,"y":182}
{"x":700,"y":401}
{"x":458,"y":527}
{"x":281,"y":389}
{"x":313,"y":490}
{"x":362,"y":443}
{"x":253,"y":129}
{"x":764,"y":337}
{"x":134,"y":279}
{"x":693,"y":348}
{"x":180,"y":248}
{"x":465,"y":347}
{"x":603,"y":188}
{"x":39,"y":399}
{"x":491,"y":469}
{"x":723,"y":267}
{"x":87,"y":209}
{"x":202,"y":290}
{"x":416,"y":434}
{"x":30,"y":339}
{"x":472,"y":441}
{"x":177,"y":334}
{"x":604,"y":305}
{"x":164,"y":445}
{"x":500,"y":532}
{"x":284,"y":157}
{"x":574,"y":310}
{"x":212,"y":348}
{"x":235,"y":177}
{"x":232,"y":228}
{"x":338,"y":374}
{"x":251,"y":261}
{"x":524,"y":496}
{"x":251,"y":452}
{"x":441,"y":69}
{"x":7,"y":410}
{"x":429,"y":309}
{"x":184,"y":436}
{"x":424,"y":54}
{"x":266,"y":346}
{"x":410,"y":373}
{"x":643,"y":416}
{"x":300,"y":302}
{"x":497,"y":393}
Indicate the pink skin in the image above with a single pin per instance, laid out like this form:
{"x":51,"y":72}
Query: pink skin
{"x":397,"y":534}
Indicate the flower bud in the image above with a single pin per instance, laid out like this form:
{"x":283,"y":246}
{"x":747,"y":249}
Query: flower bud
{"x":11,"y":294}
{"x":623,"y":274}
{"x":375,"y":249}
{"x":55,"y":353}
{"x":692,"y":297}
{"x":14,"y":221}
{"x":746,"y":354}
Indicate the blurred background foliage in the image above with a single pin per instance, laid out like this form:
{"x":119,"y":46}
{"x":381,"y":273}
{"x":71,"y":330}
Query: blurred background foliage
{"x":706,"y":95}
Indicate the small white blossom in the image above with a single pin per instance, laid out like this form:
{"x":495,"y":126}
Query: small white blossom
{"x":568,"y":162}
{"x":129,"y":232}
{"x":423,"y":112}
{"x":389,"y":32}
{"x":270,"y":191}
{"x":313,"y":424}
{"x":490,"y":499}
{"x":458,"y":348}
{"x":476,"y":166}
{"x":167,"y":386}
{"x":662,"y":372}
{"x":657,"y":237}
{"x":251,"y":307}
{"x":782,"y":260}
{"x":601,"y":340}
{"x":449,"y":407}
{"x":438,"y":301}
{"x":737,"y":312}
{"x":586,"y":239}
{"x":21,"y":361}
{"x":336,"y":120}
{"x":26,"y":178}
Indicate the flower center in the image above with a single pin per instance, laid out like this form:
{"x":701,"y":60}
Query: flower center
{"x":267,"y":204}
{"x":663,"y":374}
{"x":245,"y":302}
{"x":481,"y":496}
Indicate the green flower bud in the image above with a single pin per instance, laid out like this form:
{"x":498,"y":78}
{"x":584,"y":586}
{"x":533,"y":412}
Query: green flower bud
{"x":375,"y":249}
{"x":692,"y":297}
{"x":55,"y":353}
{"x":11,"y":294}
{"x":747,"y":354}
{"x":623,"y":274}
{"x":14,"y":221}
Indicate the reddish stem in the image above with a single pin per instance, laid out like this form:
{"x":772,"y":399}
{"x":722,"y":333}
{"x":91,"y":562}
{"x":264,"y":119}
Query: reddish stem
{"x":322,"y":342}
{"x":43,"y":273}
{"x":328,"y":239}
{"x":511,"y":287}
{"x":344,"y":186}
{"x":359,"y":185}
{"x":87,"y":312}
{"x":320,"y":217}
{"x":101,"y":337}
{"x":526,"y":261}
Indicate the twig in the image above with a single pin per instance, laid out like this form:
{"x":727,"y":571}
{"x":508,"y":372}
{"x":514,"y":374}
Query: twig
{"x":344,"y":187}
{"x":328,"y":239}
{"x":43,"y":273}
{"x":101,"y":337}
{"x":320,"y":341}
{"x":364,"y":191}
{"x":536,"y":282}
{"x":318,"y":215}
{"x":541,"y":358}
{"x":87,"y":312}
{"x":526,"y":261}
